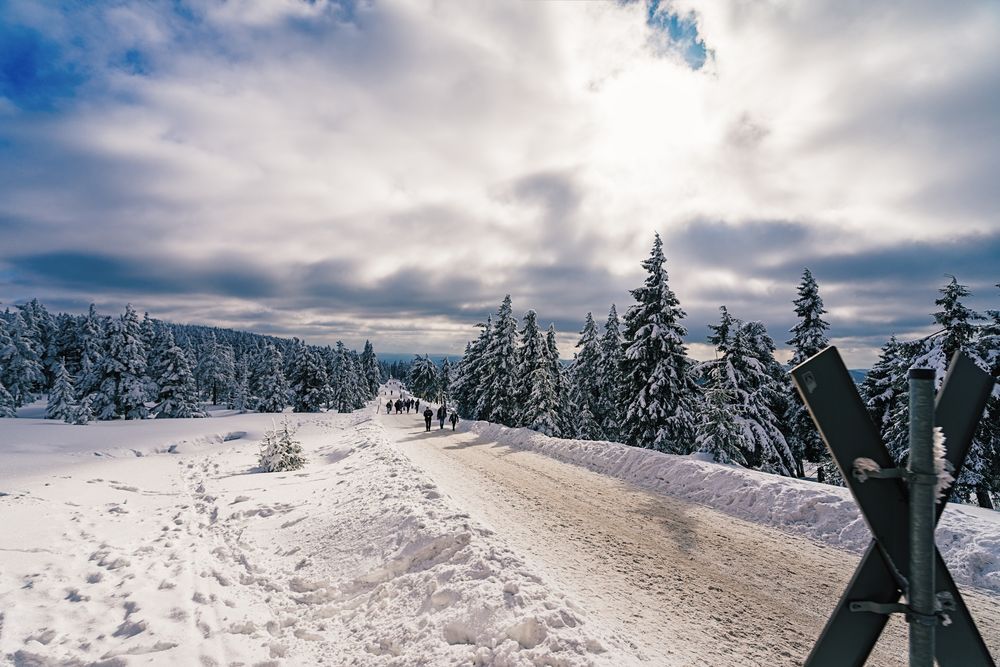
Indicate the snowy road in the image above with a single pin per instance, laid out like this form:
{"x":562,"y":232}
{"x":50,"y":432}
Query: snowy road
{"x":675,"y":582}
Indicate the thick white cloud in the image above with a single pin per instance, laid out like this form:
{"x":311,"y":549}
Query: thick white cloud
{"x":473,"y":149}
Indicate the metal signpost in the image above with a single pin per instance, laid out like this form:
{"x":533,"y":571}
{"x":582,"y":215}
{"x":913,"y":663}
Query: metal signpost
{"x":941,"y":625}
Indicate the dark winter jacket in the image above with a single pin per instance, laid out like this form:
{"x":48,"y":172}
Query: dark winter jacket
{"x":441,"y":412}
{"x":428,"y":413}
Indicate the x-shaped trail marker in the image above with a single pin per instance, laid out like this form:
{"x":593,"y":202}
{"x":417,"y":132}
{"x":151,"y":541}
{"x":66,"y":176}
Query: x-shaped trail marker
{"x":880,"y":580}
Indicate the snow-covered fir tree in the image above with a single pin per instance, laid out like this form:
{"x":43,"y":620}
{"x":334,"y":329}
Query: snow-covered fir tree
{"x":808,"y":338}
{"x":760,"y":386}
{"x":216,"y":370}
{"x":542,"y":410}
{"x":566,"y":407}
{"x":280,"y":451}
{"x":20,"y":365}
{"x":958,"y":333}
{"x":121,"y":391}
{"x":466,"y":383}
{"x":62,"y":397}
{"x":607,"y":409}
{"x":989,"y":351}
{"x":718,"y":432}
{"x":423,"y":379}
{"x":659,"y":395}
{"x":39,"y":329}
{"x":370,"y":369}
{"x":177,"y":393}
{"x":308,"y":380}
{"x":90,"y":341}
{"x":447,"y":373}
{"x":240,"y":396}
{"x":270,"y":389}
{"x":497,"y":401}
{"x":586,"y":379}
{"x":83,"y":414}
{"x":7,"y":407}
{"x":530,"y":355}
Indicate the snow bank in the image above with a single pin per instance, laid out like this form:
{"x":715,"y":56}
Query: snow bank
{"x":969,"y":538}
{"x":193,"y":558}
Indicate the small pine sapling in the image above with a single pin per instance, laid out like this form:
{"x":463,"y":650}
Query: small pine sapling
{"x":280,"y":451}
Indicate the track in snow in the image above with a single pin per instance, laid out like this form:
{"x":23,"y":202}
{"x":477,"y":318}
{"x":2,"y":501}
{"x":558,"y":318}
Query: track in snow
{"x":678,"y":583}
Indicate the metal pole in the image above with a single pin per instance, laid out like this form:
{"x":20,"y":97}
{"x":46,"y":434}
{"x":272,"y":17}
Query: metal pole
{"x":921,"y":593}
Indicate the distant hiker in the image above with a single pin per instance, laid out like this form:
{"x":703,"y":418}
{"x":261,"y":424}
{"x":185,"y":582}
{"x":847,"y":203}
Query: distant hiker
{"x":441,"y":415}
{"x":453,"y":419}
{"x":428,"y":415}
{"x":408,"y":404}
{"x":388,"y":406}
{"x":399,"y":406}
{"x":416,"y":406}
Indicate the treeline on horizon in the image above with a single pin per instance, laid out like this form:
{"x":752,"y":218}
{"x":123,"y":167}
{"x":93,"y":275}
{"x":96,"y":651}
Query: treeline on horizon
{"x":122,"y":367}
{"x":634,"y":382}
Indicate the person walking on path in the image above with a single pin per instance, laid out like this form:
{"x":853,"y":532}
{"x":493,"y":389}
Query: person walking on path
{"x":399,"y":406}
{"x":416,"y":406}
{"x":428,"y":415}
{"x":442,"y":413}
{"x":453,"y":419}
{"x":388,"y":407}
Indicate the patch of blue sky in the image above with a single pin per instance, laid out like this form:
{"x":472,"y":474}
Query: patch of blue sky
{"x":35,"y":74}
{"x":682,"y":32}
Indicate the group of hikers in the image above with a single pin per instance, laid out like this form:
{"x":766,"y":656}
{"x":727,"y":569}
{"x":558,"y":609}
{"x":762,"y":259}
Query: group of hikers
{"x":404,"y":404}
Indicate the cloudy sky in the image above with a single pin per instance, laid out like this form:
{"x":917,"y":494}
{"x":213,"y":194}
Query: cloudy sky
{"x":390,"y":169}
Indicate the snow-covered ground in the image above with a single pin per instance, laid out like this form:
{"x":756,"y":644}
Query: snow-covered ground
{"x":186,"y":556}
{"x":156,"y":542}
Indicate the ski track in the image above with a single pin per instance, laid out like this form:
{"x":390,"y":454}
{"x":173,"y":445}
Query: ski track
{"x":680,"y":583}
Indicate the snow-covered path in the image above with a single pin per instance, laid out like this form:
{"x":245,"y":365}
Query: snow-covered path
{"x":682,"y":583}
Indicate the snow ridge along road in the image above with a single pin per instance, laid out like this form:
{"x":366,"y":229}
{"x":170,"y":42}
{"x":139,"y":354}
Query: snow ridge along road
{"x":677,"y":582}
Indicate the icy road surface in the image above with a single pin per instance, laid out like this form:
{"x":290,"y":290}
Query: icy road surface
{"x":681,"y":583}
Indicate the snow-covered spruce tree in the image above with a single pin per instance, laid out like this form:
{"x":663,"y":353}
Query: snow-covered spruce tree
{"x":215,"y":371}
{"x":542,"y":411}
{"x":239,"y":398}
{"x":82,"y":415}
{"x":498,"y":372}
{"x":760,"y":384}
{"x":7,"y":407}
{"x":567,"y":407}
{"x":20,"y":365}
{"x":121,"y":391}
{"x":280,"y":451}
{"x":718,"y":432}
{"x":606,"y":410}
{"x":447,"y":372}
{"x":62,"y":398}
{"x":308,"y":380}
{"x":91,"y":342}
{"x":659,"y":396}
{"x":370,"y":369}
{"x":39,"y":329}
{"x":177,"y":394}
{"x":65,"y":343}
{"x":586,"y":378}
{"x":529,"y":355}
{"x":356,"y":383}
{"x":960,"y":333}
{"x":270,"y":389}
{"x":808,"y":338}
{"x":989,"y":351}
{"x":423,"y":380}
